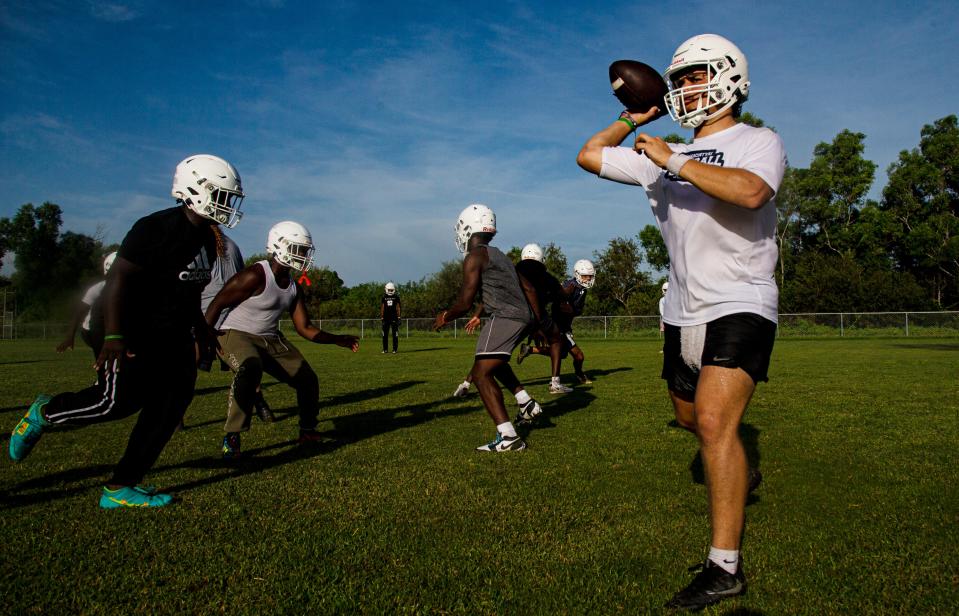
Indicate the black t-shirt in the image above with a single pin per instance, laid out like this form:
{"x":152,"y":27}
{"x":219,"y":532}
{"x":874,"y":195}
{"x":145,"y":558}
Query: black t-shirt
{"x":391,"y":304}
{"x":177,"y":258}
{"x":571,"y":306}
{"x":546,"y":285}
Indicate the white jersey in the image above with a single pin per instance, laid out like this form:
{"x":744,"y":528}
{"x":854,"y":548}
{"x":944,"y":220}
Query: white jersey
{"x":722,"y":258}
{"x":92,"y":294}
{"x":260,"y":314}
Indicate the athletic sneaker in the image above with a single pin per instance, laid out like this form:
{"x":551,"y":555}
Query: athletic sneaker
{"x":29,"y":430}
{"x":559,"y":388}
{"x":524,"y":351}
{"x":231,"y":446}
{"x":529,"y":411}
{"x":462,"y":390}
{"x":755,"y":478}
{"x":583,"y":379}
{"x":503,"y":443}
{"x":711,"y":585}
{"x":132,"y":497}
{"x":394,"y":352}
{"x":262,"y":409}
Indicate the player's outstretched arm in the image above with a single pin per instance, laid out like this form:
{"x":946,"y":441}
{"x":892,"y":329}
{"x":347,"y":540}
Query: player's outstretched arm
{"x":240,"y":287}
{"x":305,"y":328}
{"x":118,"y":281}
{"x":590,"y":157}
{"x":79,"y":314}
{"x":472,"y":269}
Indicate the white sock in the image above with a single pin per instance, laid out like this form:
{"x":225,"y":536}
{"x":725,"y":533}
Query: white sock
{"x":522,"y":397}
{"x":727,"y":559}
{"x":506,"y":429}
{"x":554,"y":380}
{"x":467,"y":384}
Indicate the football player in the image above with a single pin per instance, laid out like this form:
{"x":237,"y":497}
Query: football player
{"x":513,"y":309}
{"x":714,"y":202}
{"x":390,"y":315}
{"x":252,"y":342}
{"x":151,"y":307}
{"x":89,"y":315}
{"x":568,"y":305}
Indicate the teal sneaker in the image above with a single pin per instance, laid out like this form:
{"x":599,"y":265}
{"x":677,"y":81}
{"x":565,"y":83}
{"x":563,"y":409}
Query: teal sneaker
{"x":29,"y":430}
{"x":138,"y":496}
{"x":231,"y":446}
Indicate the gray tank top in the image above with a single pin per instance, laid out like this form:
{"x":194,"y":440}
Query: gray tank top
{"x":502,"y":294}
{"x":259,"y":315}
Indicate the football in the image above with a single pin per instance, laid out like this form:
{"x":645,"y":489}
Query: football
{"x":638,"y":86}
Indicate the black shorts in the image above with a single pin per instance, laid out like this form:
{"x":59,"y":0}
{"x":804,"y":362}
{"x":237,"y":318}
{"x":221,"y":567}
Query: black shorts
{"x":567,"y":342}
{"x":743,"y":340}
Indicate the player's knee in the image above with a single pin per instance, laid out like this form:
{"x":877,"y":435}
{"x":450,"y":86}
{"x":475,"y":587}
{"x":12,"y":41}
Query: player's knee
{"x":712,"y":426}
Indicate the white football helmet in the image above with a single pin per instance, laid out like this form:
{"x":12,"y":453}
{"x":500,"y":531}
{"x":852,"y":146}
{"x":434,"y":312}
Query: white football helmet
{"x":108,"y":262}
{"x":291,"y":244}
{"x":727,"y":79}
{"x":584,"y":267}
{"x":476,"y":218}
{"x":390,"y":288}
{"x":665,"y":287}
{"x":532,"y":251}
{"x":209,"y":186}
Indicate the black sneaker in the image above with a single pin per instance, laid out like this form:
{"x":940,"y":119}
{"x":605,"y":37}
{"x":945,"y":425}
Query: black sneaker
{"x":524,"y":351}
{"x":755,"y":478}
{"x":231,"y":446}
{"x":262,"y":408}
{"x":711,"y":585}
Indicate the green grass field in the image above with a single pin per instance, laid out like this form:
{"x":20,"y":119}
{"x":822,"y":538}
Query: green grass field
{"x":858,"y":513}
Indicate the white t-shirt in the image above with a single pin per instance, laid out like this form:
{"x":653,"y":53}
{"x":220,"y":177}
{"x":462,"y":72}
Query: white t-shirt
{"x":88,"y":298}
{"x":722,"y":257}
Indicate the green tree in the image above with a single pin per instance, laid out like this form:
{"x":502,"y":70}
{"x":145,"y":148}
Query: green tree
{"x":49,"y":267}
{"x":619,"y":274}
{"x":922,"y":201}
{"x":651,"y":239}
{"x":555,"y":261}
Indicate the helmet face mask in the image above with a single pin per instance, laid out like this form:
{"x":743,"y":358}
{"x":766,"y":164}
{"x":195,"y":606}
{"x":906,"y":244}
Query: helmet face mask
{"x":476,"y":218}
{"x":291,"y":244}
{"x":665,"y":287}
{"x":390,"y":288}
{"x":726,"y":81}
{"x":582,"y":269}
{"x":211,"y":187}
{"x":108,"y":262}
{"x":533,"y":252}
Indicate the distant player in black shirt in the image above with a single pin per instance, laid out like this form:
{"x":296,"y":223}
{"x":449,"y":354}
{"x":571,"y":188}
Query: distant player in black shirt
{"x":152,"y":320}
{"x":390,"y":314}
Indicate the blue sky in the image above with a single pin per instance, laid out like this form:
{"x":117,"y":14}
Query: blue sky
{"x":374,"y":124}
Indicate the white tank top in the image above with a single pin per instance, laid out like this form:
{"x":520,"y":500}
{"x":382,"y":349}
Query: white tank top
{"x":260,"y":314}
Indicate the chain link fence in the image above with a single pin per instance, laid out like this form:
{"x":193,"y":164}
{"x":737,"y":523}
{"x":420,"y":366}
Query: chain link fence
{"x":807,"y":325}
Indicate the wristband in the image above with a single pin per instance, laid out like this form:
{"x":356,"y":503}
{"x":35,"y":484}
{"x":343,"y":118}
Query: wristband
{"x":627,"y":119}
{"x":676,"y":162}
{"x":113,"y":337}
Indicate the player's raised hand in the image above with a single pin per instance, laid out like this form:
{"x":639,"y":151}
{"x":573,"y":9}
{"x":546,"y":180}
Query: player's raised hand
{"x":654,"y":148}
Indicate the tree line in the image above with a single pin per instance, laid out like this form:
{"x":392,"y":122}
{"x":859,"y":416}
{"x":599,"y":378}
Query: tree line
{"x":838,"y":249}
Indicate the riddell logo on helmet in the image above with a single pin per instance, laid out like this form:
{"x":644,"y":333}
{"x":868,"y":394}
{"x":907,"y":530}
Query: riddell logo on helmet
{"x":488,"y":229}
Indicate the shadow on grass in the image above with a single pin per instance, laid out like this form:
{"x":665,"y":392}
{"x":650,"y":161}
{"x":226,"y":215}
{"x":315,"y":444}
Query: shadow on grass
{"x":932,"y":346}
{"x":51,"y":486}
{"x":24,"y":361}
{"x":423,"y":350}
{"x":567,"y":403}
{"x":592,"y":374}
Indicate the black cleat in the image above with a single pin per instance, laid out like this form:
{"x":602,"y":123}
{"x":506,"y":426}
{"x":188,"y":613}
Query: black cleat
{"x":262,"y":408}
{"x":711,"y":585}
{"x":755,"y":478}
{"x":524,"y":351}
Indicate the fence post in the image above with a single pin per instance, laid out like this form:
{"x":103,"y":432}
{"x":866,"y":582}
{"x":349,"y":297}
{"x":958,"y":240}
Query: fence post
{"x":907,"y":324}
{"x":44,"y":331}
{"x":361,"y":329}
{"x":840,"y":325}
{"x":407,"y":328}
{"x":454,"y":328}
{"x":604,"y":328}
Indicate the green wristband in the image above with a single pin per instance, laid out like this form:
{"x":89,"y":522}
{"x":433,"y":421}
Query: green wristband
{"x":627,"y":120}
{"x":113,"y":337}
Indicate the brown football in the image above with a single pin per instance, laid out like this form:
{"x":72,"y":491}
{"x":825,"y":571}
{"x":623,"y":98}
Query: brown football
{"x":638,"y":86}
